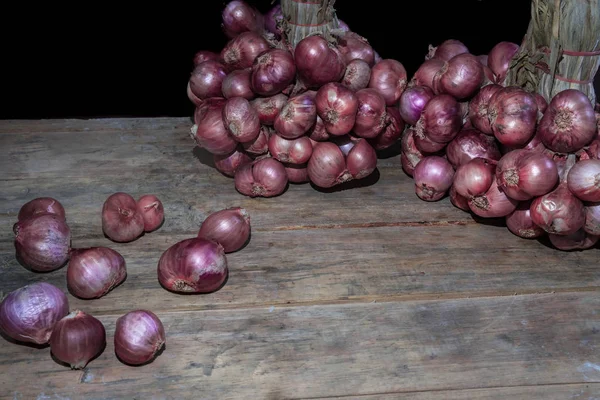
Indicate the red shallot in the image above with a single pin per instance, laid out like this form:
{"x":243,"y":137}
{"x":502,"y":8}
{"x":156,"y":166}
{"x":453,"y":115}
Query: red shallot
{"x":265,"y":177}
{"x":93,"y":272}
{"x":241,"y":119}
{"x":194,"y":265}
{"x":229,"y":227}
{"x":41,"y":205}
{"x":209,"y":131}
{"x":433,"y":177}
{"x":121,"y":220}
{"x":337,"y":106}
{"x":389,"y":78}
{"x":139,"y":336}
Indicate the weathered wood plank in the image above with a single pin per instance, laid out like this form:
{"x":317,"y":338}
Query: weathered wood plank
{"x":338,"y":350}
{"x":10,"y":126}
{"x":324,"y":265}
{"x":547,"y":392}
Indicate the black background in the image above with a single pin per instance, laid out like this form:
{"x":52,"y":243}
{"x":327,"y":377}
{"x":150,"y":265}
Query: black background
{"x":98,"y":60}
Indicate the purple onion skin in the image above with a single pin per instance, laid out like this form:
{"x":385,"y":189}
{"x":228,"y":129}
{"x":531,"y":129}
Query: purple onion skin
{"x":433,"y":177}
{"x":193,"y":265}
{"x":95,"y":271}
{"x":139,"y":336}
{"x":43,"y":242}
{"x":41,"y":205}
{"x":229,"y":227}
{"x":28,"y":314}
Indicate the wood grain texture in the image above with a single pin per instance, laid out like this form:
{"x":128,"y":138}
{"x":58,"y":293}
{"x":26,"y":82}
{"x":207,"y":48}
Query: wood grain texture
{"x":338,"y":350}
{"x":358,"y":264}
{"x":359,"y":292}
{"x":544,"y":392}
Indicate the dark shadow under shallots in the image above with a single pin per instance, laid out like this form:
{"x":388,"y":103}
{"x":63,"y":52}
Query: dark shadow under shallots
{"x":150,"y":361}
{"x":392,"y":151}
{"x":353,"y":184}
{"x":22,"y":343}
{"x":204,"y":156}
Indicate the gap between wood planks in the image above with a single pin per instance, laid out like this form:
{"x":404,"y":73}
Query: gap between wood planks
{"x":543,"y":385}
{"x":373,"y":299}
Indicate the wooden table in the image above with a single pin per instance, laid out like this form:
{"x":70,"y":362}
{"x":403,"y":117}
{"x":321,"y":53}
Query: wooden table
{"x":365,"y":293}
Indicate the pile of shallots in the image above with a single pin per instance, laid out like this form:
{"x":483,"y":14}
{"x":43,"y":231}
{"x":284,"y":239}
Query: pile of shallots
{"x":500,"y":151}
{"x":272,"y":115}
{"x":39,"y":312}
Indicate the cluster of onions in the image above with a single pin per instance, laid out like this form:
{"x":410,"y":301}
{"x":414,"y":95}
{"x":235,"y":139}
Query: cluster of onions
{"x":124,"y":219}
{"x":199,"y":264}
{"x":500,"y":151}
{"x":39,"y":313}
{"x":272,"y":115}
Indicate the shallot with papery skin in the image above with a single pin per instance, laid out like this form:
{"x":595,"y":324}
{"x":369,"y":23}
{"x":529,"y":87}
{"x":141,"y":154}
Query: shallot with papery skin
{"x":194,"y":265}
{"x":237,"y":84}
{"x":447,"y":49}
{"x":519,"y":222}
{"x":461,"y":77}
{"x":534,"y":144}
{"x":371,"y":116}
{"x":361,"y":160}
{"x":592,"y":218}
{"x":357,"y":75}
{"x":583,"y":180}
{"x":42,"y":242}
{"x":426,"y":145}
{"x":241,"y":51}
{"x":229,"y":227}
{"x":559,"y":212}
{"x":569,"y":122}
{"x":262,"y":178}
{"x":410,"y":154}
{"x":78,"y":338}
{"x":95,"y":271}
{"x":241,"y":119}
{"x":297,"y":173}
{"x":524,"y":174}
{"x":318,"y":62}
{"x":392,"y":131}
{"x":457,"y":200}
{"x":499,"y":59}
{"x":238,"y":17}
{"x":29,"y":313}
{"x":268,"y":108}
{"x":228,"y":164}
{"x":206,"y":79}
{"x":580,"y":240}
{"x":152,"y":211}
{"x":297,"y":116}
{"x":474,"y":178}
{"x":337,"y":106}
{"x":441,"y":119}
{"x":272,"y":71}
{"x":493,"y":204}
{"x":121,"y":220}
{"x":295,"y":151}
{"x":139,"y":336}
{"x":273,"y":19}
{"x":470,"y":144}
{"x":209,"y":130}
{"x":433,"y":177}
{"x":205,"y":55}
{"x":193,"y":98}
{"x":427,"y":72}
{"x":258,"y":146}
{"x":327,"y":165}
{"x":41,"y":205}
{"x":478,"y":108}
{"x":413,"y":102}
{"x":389,"y":78}
{"x":513,"y":115}
{"x":318,"y":132}
{"x":355,"y":47}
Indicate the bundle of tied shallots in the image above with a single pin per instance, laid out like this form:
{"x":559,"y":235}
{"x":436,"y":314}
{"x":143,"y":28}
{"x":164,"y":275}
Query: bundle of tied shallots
{"x":500,"y":151}
{"x":271,"y":114}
